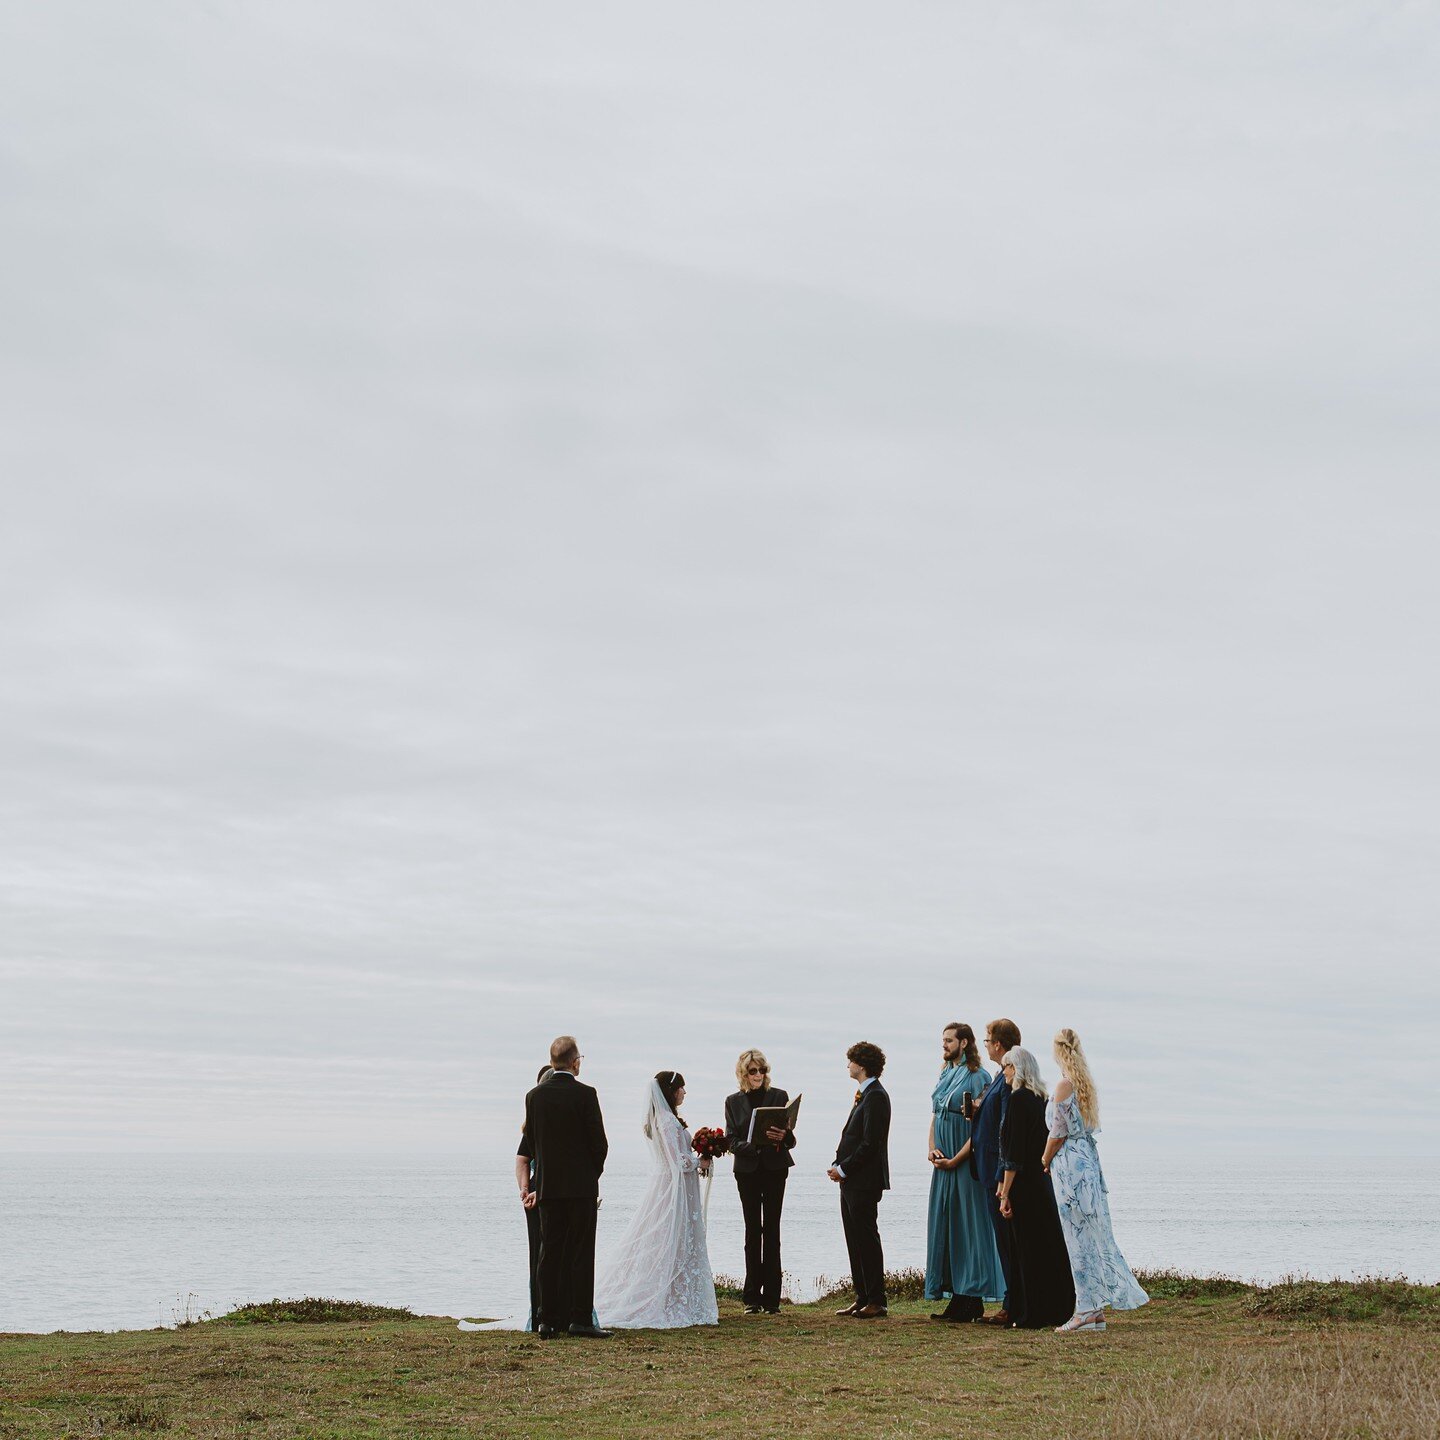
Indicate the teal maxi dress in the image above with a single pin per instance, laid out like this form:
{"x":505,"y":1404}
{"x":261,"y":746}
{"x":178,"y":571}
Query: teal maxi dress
{"x":961,"y":1258}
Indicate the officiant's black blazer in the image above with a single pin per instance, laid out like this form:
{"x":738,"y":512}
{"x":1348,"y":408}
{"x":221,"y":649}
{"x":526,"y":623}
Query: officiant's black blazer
{"x":565,"y":1137}
{"x":750,"y":1158}
{"x":864,"y":1150}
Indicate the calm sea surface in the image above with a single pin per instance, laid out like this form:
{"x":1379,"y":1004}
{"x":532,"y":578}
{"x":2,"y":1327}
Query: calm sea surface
{"x":121,"y":1242}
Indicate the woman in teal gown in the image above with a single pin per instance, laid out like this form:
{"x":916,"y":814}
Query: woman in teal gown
{"x":962,"y":1264}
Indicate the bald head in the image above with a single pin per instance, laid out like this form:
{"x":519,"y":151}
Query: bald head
{"x":564,"y":1052}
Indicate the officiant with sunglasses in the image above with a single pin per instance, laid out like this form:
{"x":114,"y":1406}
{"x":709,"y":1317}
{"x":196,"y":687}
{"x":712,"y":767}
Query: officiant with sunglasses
{"x":762,"y":1164}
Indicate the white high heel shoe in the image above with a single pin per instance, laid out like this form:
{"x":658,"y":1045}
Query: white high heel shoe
{"x":1092,"y":1320}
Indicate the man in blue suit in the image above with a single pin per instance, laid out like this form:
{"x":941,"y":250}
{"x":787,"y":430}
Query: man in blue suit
{"x":1000,"y":1036}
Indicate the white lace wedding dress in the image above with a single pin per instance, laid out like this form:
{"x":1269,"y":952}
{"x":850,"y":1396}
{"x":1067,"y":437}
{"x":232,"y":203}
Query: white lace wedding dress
{"x":659,"y":1278}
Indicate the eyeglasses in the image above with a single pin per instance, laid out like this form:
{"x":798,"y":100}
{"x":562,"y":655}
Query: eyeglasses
{"x":757,"y":1070}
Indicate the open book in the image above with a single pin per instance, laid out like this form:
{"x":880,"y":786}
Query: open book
{"x":776,"y":1117}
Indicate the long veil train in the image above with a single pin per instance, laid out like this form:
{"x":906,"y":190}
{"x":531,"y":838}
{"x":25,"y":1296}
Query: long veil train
{"x":659,"y":1276}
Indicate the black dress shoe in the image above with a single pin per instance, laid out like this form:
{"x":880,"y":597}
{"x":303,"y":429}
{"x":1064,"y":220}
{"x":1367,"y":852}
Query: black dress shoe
{"x":591,"y":1332}
{"x":753,"y":1310}
{"x":962,"y":1308}
{"x":772,"y":1309}
{"x":545,"y":1332}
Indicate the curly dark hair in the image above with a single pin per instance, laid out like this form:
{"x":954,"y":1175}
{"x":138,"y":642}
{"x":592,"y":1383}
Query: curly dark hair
{"x":870,"y":1058}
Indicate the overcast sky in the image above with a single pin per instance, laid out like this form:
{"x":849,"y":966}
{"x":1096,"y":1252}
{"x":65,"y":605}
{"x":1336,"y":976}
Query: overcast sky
{"x":706,"y":526}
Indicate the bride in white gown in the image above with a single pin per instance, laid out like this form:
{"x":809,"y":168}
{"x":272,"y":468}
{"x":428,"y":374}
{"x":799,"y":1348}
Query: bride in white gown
{"x":659,"y":1277}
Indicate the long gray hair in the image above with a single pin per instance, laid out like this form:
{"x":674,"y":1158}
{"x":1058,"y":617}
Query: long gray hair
{"x":1027,"y":1072}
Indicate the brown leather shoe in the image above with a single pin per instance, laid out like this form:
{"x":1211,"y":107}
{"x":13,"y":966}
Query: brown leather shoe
{"x":1000,"y":1317}
{"x":848,"y":1310}
{"x":871,"y":1312}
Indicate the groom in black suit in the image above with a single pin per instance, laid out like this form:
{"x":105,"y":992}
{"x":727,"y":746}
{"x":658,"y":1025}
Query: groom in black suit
{"x":565,"y":1136}
{"x":862,"y":1170}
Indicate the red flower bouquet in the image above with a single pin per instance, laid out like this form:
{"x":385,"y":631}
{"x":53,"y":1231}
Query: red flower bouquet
{"x":709,"y":1144}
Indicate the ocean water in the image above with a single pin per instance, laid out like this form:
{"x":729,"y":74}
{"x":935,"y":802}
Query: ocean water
{"x":120,"y":1242}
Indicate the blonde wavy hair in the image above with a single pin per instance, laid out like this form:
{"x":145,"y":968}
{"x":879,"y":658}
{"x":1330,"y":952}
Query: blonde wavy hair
{"x":746,"y":1060}
{"x":1070,"y":1057}
{"x":1027,"y":1072}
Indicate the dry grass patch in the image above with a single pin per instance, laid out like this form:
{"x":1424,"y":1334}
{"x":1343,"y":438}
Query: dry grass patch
{"x":1346,"y":1386}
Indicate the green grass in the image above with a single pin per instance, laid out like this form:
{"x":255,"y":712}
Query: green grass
{"x":1300,"y":1298}
{"x":1174,"y":1285}
{"x":900,"y":1285}
{"x":311,"y":1311}
{"x":1299,"y":1361}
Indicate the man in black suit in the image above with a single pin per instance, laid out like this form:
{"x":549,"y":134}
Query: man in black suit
{"x":565,"y":1136}
{"x":761,"y":1166}
{"x":862,"y":1170}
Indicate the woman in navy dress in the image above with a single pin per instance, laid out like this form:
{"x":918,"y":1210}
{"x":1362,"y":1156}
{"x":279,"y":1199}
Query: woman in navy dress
{"x":962,"y":1264}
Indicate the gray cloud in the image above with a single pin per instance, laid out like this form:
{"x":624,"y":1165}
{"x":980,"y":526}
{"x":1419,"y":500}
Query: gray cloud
{"x":513,"y":526}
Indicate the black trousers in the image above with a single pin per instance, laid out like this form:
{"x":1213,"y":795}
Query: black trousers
{"x":762,"y":1195}
{"x":1005,"y":1244}
{"x":532,"y":1234}
{"x":566,"y":1270}
{"x":860,"y":1214}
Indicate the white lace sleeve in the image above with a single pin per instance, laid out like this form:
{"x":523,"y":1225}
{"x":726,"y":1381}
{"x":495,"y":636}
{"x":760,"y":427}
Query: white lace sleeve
{"x":679,"y":1138}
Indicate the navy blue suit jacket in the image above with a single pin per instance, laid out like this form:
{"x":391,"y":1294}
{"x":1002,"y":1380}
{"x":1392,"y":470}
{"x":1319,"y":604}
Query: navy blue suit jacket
{"x":986,"y":1133}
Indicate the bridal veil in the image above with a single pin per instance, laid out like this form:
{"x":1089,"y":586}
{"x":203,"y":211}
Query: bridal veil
{"x":659,"y":1276}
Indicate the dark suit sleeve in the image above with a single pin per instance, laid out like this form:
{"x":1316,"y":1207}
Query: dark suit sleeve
{"x":874,"y":1132}
{"x":737,"y":1124}
{"x":595,"y":1134}
{"x":527,"y":1147}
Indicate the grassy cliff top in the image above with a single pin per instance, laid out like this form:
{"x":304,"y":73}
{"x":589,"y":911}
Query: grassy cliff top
{"x":1306,"y":1359}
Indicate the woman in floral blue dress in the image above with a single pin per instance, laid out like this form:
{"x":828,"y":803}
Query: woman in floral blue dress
{"x":962,"y":1264}
{"x":1101,"y":1275}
